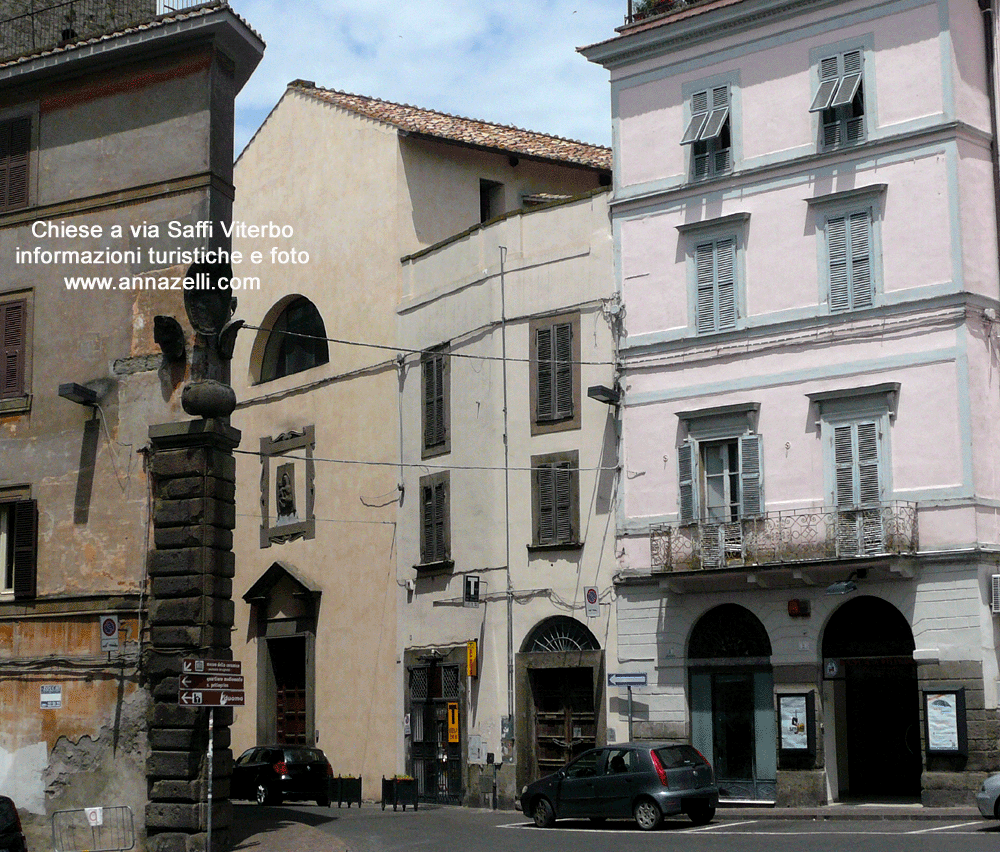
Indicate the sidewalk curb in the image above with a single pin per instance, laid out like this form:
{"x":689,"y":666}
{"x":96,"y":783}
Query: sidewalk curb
{"x":848,"y":812}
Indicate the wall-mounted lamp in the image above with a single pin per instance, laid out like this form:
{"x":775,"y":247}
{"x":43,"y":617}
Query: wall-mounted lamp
{"x":78,"y":393}
{"x":609,"y":396}
{"x":845,"y":587}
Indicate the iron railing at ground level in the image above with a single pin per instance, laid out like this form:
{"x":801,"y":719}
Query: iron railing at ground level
{"x":796,"y":535}
{"x":38,"y":24}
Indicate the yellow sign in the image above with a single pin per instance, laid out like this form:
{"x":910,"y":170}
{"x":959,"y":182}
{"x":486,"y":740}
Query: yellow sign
{"x":472,"y":657}
{"x":453,"y":722}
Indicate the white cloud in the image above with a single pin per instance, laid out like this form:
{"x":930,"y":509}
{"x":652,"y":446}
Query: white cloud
{"x":510,"y":61}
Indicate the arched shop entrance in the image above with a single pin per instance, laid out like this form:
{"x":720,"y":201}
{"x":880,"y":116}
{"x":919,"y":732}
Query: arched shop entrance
{"x":732,"y":701}
{"x":870,"y":682}
{"x":560,"y":674}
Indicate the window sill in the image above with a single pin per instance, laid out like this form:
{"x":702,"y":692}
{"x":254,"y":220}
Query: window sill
{"x":442,"y":566}
{"x":435,"y":451}
{"x":548,"y":548}
{"x":15,"y":405}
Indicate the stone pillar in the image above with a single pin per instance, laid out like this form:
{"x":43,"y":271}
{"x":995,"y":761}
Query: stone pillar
{"x":191,"y":566}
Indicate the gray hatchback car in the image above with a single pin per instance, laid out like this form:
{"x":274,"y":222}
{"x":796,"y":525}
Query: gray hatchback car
{"x":645,"y":781}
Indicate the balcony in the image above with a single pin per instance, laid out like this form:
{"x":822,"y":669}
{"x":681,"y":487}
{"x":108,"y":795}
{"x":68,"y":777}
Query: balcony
{"x":787,"y":537}
{"x":39,"y":24}
{"x":641,"y":10}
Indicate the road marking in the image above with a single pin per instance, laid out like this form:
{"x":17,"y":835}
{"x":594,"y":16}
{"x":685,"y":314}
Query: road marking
{"x":721,"y":825}
{"x":943,"y":827}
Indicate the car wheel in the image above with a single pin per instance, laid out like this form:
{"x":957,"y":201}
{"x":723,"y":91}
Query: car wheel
{"x":996,"y":809}
{"x":647,"y":814}
{"x":543,"y":814}
{"x":263,"y":793}
{"x":701,"y":814}
{"x":323,"y":801}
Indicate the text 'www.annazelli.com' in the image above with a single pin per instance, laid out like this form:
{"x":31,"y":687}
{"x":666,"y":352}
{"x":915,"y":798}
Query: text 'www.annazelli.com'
{"x":199,"y":281}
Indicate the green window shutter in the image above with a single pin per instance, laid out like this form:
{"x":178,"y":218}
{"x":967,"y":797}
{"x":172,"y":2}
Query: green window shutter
{"x":543,"y":358}
{"x":829,"y":77}
{"x":699,"y":118}
{"x":563,"y":372}
{"x":715,"y":274}
{"x":862,"y":294}
{"x":836,"y":236}
{"x":726,"y":282}
{"x":843,"y":460}
{"x":850,"y":81}
{"x":13,"y":328}
{"x":25,"y":549}
{"x":545,"y":479}
{"x":687,"y":482}
{"x":705,"y":275}
{"x":869,"y":485}
{"x":751,"y":481}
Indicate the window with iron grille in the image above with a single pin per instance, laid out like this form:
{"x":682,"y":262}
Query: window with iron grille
{"x":555,"y":499}
{"x":15,"y":150}
{"x":419,"y":683}
{"x":435,"y":543}
{"x":709,"y":133}
{"x":434,"y":390}
{"x":840,"y":99}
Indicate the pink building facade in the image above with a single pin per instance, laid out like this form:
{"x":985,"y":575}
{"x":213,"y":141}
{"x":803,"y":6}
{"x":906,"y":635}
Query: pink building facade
{"x":805,"y":222}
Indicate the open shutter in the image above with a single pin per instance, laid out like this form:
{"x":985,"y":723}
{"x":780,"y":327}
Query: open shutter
{"x":687,"y":482}
{"x":726,"y":277}
{"x":25,"y":549}
{"x":13,"y":334}
{"x":543,"y":357}
{"x":563,"y":497}
{"x":434,"y":402}
{"x":719,"y":114}
{"x":546,"y":504}
{"x":751,"y":482}
{"x":699,"y":118}
{"x":850,"y":82}
{"x":563,"y":372}
{"x":861,"y":295}
{"x":836,"y":235}
{"x":829,"y":77}
{"x":428,"y":370}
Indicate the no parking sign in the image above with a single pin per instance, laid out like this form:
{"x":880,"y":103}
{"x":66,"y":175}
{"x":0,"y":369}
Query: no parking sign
{"x":109,"y":633}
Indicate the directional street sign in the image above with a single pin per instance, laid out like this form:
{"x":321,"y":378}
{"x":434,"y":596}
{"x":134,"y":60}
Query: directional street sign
{"x":211,"y":697}
{"x":627,"y":679}
{"x":203,"y":681}
{"x":222,"y":667}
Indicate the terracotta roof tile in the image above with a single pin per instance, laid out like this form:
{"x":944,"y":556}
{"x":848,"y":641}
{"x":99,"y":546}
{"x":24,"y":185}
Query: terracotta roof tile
{"x":469,"y":131}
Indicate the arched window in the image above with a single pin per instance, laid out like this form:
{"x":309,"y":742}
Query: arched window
{"x":560,"y":633}
{"x":296,"y":341}
{"x":729,"y":631}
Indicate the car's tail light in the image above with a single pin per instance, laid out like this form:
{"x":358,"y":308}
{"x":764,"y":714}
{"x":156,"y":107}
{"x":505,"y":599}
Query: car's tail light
{"x":702,"y":757}
{"x":329,"y":769}
{"x":659,"y":769}
{"x":281,"y":768}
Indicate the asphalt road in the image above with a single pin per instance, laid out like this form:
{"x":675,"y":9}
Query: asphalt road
{"x":436,"y":828}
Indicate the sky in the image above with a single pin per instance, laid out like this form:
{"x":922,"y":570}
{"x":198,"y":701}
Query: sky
{"x":509,"y":61}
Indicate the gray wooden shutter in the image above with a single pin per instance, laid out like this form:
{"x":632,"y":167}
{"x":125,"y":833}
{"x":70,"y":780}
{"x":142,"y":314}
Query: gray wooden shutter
{"x":720,"y":112}
{"x":843,"y":460}
{"x":726,"y":281}
{"x":850,"y":81}
{"x":545,"y":479}
{"x":563,"y":372}
{"x":687,"y":482}
{"x":25,"y":548}
{"x":751,"y":481}
{"x":829,"y":77}
{"x":563,"y":499}
{"x":440,"y":521}
{"x":426,"y":523}
{"x":705,"y":282}
{"x":15,"y":146}
{"x":428,"y":377}
{"x":861,"y":291}
{"x":699,"y":118}
{"x":869,"y":484}
{"x":543,"y":358}
{"x":13,"y":328}
{"x":836,"y":236}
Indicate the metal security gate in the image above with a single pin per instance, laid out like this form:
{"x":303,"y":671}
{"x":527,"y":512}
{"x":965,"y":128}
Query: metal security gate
{"x":436,"y":762}
{"x":96,"y":829}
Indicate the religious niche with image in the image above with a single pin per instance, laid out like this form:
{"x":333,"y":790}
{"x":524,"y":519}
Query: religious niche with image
{"x":287,"y":487}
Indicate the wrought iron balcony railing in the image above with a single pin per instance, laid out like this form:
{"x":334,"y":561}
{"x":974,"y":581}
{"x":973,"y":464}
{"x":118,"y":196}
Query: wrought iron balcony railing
{"x":37,"y":24}
{"x":798,"y":535}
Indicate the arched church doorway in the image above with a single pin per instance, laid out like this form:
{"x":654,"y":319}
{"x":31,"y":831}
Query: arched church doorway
{"x":732,"y":701}
{"x":871,"y":680}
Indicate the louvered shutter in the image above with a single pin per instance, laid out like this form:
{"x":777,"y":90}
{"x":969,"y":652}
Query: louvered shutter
{"x":428,"y":370}
{"x":850,"y":81}
{"x":25,"y":549}
{"x":705,"y":274}
{"x":427,"y":523}
{"x":869,"y":486}
{"x":13,"y":327}
{"x":829,"y":77}
{"x":546,"y":504}
{"x":699,"y":118}
{"x":435,"y":427}
{"x":687,"y":469}
{"x":563,"y":372}
{"x":861,"y":293}
{"x":15,"y":146}
{"x":726,"y":282}
{"x":543,"y":357}
{"x":563,"y":500}
{"x":751,"y":481}
{"x":836,"y":235}
{"x":720,"y":112}
{"x":440,"y":521}
{"x":843,"y":459}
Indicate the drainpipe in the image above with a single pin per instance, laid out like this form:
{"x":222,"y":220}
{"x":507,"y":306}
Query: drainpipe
{"x":989,"y":28}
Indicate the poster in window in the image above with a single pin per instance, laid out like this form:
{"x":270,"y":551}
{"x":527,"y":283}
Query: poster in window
{"x":794,"y":722}
{"x":942,"y":721}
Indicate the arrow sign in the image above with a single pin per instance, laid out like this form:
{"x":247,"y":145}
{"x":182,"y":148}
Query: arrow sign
{"x":627,"y":679}
{"x":211,"y":697}
{"x":203,"y":681}
{"x":189,"y":665}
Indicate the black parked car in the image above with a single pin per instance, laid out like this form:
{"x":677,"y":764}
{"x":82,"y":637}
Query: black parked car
{"x":11,"y":836}
{"x":644,"y":781}
{"x":273,"y":773}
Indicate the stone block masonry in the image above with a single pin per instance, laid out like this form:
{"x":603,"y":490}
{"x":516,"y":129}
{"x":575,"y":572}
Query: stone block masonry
{"x":191,"y":567}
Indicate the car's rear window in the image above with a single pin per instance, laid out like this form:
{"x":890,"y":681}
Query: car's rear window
{"x":8,"y":814}
{"x":675,"y":757}
{"x":303,"y":755}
